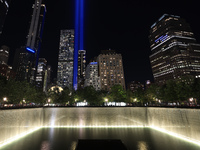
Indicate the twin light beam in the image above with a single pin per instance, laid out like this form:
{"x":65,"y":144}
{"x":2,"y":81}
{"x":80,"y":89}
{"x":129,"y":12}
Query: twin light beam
{"x":79,"y":33}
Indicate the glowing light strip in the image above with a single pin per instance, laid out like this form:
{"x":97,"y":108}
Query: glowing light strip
{"x":83,"y":126}
{"x":170,"y":37}
{"x":7,"y":141}
{"x":185,"y":138}
{"x":30,"y":50}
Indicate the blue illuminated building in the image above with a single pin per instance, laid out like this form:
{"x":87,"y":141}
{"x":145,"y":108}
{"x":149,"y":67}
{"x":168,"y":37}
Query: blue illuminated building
{"x":79,"y":35}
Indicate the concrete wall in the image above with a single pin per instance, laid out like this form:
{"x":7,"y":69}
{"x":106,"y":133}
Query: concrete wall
{"x":185,"y":122}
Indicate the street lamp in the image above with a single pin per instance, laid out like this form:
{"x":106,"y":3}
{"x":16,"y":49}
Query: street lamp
{"x":106,"y":102}
{"x":49,"y":100}
{"x":23,"y":101}
{"x":4,"y":100}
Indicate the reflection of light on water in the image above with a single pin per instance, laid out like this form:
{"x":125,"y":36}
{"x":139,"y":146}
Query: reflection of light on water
{"x":73,"y":145}
{"x":51,"y":134}
{"x":7,"y":141}
{"x":45,"y":145}
{"x":185,"y":138}
{"x":141,"y":145}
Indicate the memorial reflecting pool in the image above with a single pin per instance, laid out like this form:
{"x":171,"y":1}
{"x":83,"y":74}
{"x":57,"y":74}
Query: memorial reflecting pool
{"x":66,"y":139}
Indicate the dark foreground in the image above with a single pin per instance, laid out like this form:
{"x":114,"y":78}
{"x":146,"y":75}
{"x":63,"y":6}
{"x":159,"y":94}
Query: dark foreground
{"x":67,"y":139}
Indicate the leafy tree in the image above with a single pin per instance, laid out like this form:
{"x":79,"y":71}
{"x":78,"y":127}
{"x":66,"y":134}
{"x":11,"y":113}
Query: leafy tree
{"x":53,"y":95}
{"x":195,"y":88}
{"x":3,"y":87}
{"x":65,"y":96}
{"x":140,"y":96}
{"x":117,"y":94}
{"x":152,"y":92}
{"x":129,"y":96}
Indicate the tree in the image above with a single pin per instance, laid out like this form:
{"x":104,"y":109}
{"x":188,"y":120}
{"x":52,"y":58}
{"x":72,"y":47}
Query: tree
{"x":53,"y":95}
{"x":65,"y":96}
{"x":195,"y":88}
{"x":3,"y":87}
{"x":170,"y":91}
{"x":152,"y":92}
{"x":117,"y":94}
{"x":140,"y":96}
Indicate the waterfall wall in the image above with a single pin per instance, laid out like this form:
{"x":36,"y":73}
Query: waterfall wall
{"x":184,"y":122}
{"x":17,"y":122}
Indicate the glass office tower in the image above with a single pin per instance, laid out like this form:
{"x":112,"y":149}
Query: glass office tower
{"x":66,"y":59}
{"x":175,"y":52}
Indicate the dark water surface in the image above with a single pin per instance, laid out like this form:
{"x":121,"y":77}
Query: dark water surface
{"x":66,"y":139}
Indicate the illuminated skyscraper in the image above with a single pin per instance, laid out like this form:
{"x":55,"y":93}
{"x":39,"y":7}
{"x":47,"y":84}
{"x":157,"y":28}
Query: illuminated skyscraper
{"x":66,"y":59}
{"x":175,"y":52}
{"x":81,"y":68}
{"x":41,"y":70}
{"x":4,"y":6}
{"x":36,"y":27}
{"x":22,"y":64}
{"x":92,"y":76}
{"x":110,"y":69}
{"x":34,"y":37}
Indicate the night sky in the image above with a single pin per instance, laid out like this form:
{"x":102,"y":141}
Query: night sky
{"x":121,"y":25}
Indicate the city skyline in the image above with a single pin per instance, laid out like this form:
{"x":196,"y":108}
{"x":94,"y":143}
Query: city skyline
{"x":122,"y":26}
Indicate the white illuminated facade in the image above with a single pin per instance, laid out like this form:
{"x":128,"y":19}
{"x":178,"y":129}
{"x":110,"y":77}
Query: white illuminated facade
{"x":92,"y":76}
{"x":110,"y":69}
{"x":40,"y":80}
{"x":66,"y":59}
{"x":175,"y":52}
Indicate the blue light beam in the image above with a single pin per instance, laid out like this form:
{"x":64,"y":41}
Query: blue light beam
{"x":79,"y":35}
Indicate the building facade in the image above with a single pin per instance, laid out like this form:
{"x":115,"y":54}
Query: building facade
{"x":4,"y":54}
{"x":110,"y":69}
{"x":66,"y":59}
{"x":133,"y":86}
{"x":41,"y":79}
{"x":81,"y":67}
{"x":36,"y":26}
{"x":175,"y":52}
{"x":34,"y":37}
{"x":22,"y":64}
{"x":4,"y":6}
{"x":92,"y":77}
